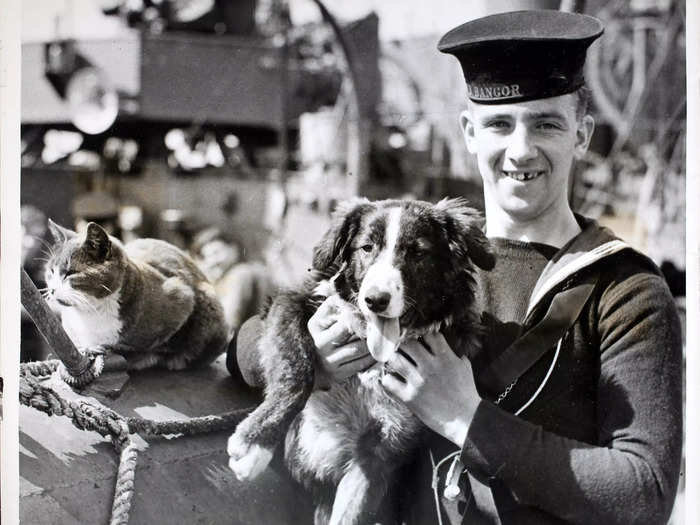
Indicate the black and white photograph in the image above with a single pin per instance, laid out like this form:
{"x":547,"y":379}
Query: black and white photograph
{"x":348,"y":262}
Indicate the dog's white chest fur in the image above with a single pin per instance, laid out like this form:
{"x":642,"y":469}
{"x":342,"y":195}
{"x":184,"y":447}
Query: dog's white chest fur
{"x":88,"y":326}
{"x":333,"y":423}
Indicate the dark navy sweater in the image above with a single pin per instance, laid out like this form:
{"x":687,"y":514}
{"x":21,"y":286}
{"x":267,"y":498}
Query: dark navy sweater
{"x":602,"y":441}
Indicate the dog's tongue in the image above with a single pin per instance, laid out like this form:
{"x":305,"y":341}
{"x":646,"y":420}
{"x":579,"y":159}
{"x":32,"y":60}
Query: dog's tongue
{"x":382,"y":337}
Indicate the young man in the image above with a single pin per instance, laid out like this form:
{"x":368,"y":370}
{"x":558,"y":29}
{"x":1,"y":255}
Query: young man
{"x":572,"y":410}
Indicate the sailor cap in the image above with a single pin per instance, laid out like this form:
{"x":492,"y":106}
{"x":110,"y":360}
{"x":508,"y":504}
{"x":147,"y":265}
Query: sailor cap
{"x":522,"y":55}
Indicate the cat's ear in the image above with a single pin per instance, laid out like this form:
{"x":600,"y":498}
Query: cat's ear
{"x":59,"y":233}
{"x":97,"y":242}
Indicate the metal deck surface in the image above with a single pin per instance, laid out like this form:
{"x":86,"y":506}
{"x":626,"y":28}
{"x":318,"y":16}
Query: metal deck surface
{"x":67,"y":475}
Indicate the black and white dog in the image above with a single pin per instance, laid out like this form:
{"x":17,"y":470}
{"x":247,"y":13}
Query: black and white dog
{"x":400,"y":269}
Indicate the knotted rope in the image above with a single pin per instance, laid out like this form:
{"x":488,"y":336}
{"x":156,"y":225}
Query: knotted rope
{"x":86,"y":415}
{"x":79,"y":369}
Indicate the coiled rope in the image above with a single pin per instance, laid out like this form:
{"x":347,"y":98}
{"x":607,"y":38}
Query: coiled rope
{"x":78,"y":369}
{"x":87,"y":415}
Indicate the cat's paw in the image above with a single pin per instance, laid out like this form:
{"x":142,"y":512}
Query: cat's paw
{"x":247,"y":460}
{"x":141,"y":362}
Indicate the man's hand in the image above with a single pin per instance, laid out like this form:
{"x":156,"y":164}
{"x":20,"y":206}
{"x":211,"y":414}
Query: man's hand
{"x":340,"y":352}
{"x":435,"y":384}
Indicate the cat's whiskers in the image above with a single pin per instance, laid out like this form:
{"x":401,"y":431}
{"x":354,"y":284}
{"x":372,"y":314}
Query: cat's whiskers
{"x":86,"y":302}
{"x":77,"y":299}
{"x":43,"y":242}
{"x":48,"y":251}
{"x":106,"y":288}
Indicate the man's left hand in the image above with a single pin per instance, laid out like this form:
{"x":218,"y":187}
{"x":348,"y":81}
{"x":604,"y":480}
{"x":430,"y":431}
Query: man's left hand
{"x":435,"y":384}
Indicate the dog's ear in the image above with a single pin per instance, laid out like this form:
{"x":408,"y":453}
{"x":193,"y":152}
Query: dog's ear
{"x":335,"y":243}
{"x":464,"y":226}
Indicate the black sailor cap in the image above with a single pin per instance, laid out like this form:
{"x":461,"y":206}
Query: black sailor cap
{"x":522,"y":55}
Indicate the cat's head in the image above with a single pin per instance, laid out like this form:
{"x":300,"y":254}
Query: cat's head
{"x":82,"y":269}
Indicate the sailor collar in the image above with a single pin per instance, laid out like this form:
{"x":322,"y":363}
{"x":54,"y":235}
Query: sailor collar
{"x":592,"y":244}
{"x":557,"y":300}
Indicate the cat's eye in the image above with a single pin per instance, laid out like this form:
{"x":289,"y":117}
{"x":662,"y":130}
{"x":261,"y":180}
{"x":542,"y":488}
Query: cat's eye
{"x":366,"y":248}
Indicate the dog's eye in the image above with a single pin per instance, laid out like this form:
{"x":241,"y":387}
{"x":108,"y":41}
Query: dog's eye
{"x":422,"y":248}
{"x":366,"y":248}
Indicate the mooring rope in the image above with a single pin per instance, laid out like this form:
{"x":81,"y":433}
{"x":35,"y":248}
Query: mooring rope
{"x":79,"y":368}
{"x":124,"y":489}
{"x":86,"y":415}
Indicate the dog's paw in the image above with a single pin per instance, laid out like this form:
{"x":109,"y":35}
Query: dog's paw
{"x":247,"y":460}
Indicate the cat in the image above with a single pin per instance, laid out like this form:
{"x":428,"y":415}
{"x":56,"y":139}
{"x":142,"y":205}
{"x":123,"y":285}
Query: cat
{"x":145,"y":300}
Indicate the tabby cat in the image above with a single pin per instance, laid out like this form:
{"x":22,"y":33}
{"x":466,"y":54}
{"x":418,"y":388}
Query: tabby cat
{"x":145,"y":300}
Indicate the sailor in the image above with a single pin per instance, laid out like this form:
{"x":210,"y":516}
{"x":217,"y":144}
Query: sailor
{"x":572,"y":410}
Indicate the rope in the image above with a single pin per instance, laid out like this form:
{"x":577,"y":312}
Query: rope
{"x":89,"y":416}
{"x":86,"y":377}
{"x":124,"y":489}
{"x":78,"y":369}
{"x":78,"y":365}
{"x":188,"y":427}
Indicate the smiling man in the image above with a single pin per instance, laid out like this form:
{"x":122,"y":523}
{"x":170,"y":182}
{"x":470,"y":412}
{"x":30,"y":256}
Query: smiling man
{"x":571,"y":411}
{"x":524,"y":153}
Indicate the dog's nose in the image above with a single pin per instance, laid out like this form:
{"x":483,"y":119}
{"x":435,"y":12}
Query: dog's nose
{"x":376,"y":300}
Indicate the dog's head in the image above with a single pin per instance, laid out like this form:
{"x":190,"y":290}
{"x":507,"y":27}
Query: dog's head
{"x":406,"y":260}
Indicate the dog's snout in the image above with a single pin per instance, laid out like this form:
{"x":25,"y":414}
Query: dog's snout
{"x":376,"y":300}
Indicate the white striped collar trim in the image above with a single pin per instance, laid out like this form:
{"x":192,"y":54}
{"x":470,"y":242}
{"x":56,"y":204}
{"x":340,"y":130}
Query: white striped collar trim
{"x":574,"y":266}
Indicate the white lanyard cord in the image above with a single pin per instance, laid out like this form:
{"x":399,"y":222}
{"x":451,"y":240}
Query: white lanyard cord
{"x":544,"y":381}
{"x":455,"y":455}
{"x":436,"y":478}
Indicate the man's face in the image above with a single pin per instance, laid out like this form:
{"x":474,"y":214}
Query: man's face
{"x":525,"y":151}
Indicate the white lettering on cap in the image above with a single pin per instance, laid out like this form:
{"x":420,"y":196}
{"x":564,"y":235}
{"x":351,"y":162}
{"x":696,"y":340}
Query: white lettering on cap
{"x":493,"y":92}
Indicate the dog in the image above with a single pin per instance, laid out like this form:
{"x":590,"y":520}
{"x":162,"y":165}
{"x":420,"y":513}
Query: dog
{"x":396,"y":269}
